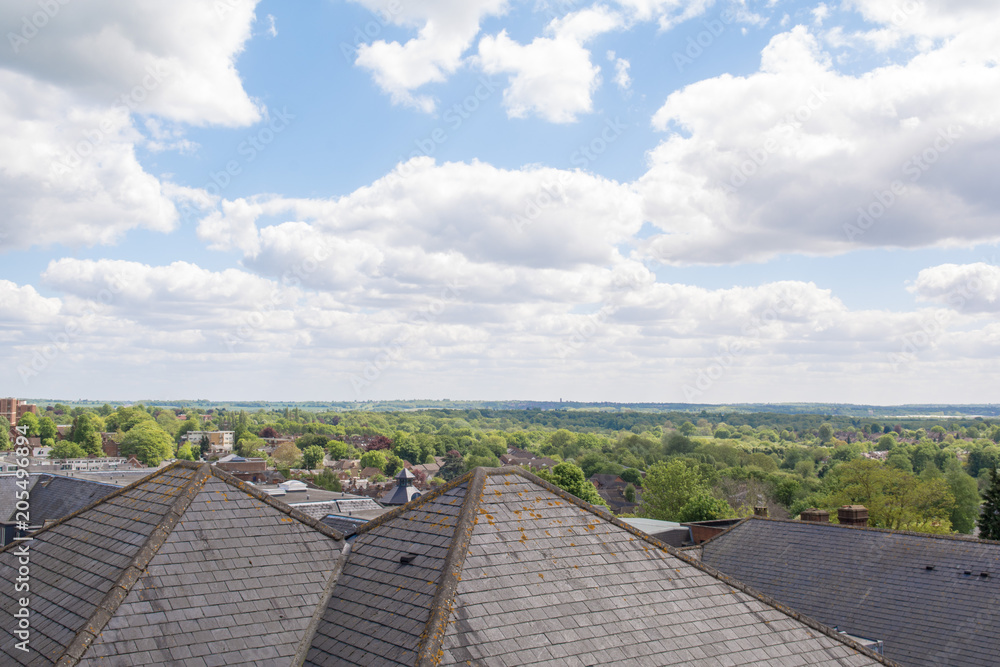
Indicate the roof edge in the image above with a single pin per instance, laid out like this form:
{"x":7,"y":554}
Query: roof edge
{"x":720,"y":534}
{"x":115,"y":494}
{"x":871,"y":529}
{"x":134,"y":570}
{"x":431,"y":639}
{"x":305,"y":644}
{"x":396,"y":511}
{"x":694,"y":562}
{"x":298,"y":515}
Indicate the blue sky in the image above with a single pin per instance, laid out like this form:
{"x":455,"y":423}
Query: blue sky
{"x":638,"y":200}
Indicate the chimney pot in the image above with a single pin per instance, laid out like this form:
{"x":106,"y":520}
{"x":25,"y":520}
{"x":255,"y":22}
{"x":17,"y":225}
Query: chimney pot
{"x":853,"y":515}
{"x":815,"y":515}
{"x":760,"y":510}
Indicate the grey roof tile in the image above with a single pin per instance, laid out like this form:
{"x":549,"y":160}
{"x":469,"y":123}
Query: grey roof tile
{"x":512,"y":571}
{"x":874,"y":583}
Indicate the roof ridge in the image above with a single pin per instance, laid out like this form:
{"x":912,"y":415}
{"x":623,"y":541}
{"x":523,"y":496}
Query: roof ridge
{"x":285,"y":508}
{"x":872,"y":529}
{"x":431,"y":639}
{"x":694,"y":562}
{"x":107,"y":607}
{"x":416,"y":502}
{"x":114,"y":494}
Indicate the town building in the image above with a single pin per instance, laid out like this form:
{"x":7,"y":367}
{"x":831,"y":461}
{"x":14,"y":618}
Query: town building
{"x":187,"y":566}
{"x":928,"y":599}
{"x":13,"y":409}
{"x":219,"y":442}
{"x":500,"y":567}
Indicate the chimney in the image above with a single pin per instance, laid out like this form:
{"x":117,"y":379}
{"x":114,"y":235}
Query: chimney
{"x":853,"y":515}
{"x":760,"y":510}
{"x":815,"y":515}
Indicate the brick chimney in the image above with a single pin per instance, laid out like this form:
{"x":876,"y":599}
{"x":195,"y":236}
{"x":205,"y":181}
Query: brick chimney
{"x":815,"y":515}
{"x":760,"y":510}
{"x":853,"y":515}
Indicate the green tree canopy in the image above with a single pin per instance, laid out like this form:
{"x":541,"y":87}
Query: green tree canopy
{"x":125,"y":419}
{"x":30,"y":421}
{"x":373,"y":459}
{"x":668,"y":487}
{"x":312,"y":457}
{"x":86,"y":432}
{"x":185,"y":452}
{"x":147,"y":442}
{"x":4,"y":433}
{"x":989,"y":518}
{"x":570,"y":477}
{"x":67,"y":449}
{"x":966,"y":493}
{"x":703,"y":506}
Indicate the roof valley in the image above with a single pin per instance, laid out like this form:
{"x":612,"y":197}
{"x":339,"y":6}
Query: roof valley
{"x":131,"y":574}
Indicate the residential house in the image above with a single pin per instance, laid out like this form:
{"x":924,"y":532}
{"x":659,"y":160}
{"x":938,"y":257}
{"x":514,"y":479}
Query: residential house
{"x":187,"y":566}
{"x":13,"y":409}
{"x":500,"y":567}
{"x":50,"y":497}
{"x":930,"y":599}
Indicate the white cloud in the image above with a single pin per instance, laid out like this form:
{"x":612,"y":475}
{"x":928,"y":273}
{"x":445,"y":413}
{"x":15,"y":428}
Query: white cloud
{"x":553,"y":76}
{"x":175,"y":60}
{"x":668,"y":13}
{"x":70,"y":173}
{"x":812,"y":158}
{"x":622,"y":79}
{"x":446,"y":29}
{"x":21,"y":305}
{"x":968,"y":288}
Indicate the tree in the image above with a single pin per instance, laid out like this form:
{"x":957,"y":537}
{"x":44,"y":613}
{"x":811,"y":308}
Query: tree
{"x":687,"y":428}
{"x":989,"y":517}
{"x":147,"y":442}
{"x":703,"y":506}
{"x":311,"y":440}
{"x":373,"y":459}
{"x":249,"y":446}
{"x":67,"y":449}
{"x":408,"y":448}
{"x":629,"y":493}
{"x":286,"y":455}
{"x":125,"y":419}
{"x":393,"y":464}
{"x":4,"y":434}
{"x":30,"y":420}
{"x":312,"y":457}
{"x":966,"y":493}
{"x":632,"y":476}
{"x":570,"y":477}
{"x":825,"y":433}
{"x":47,"y":429}
{"x":895,"y":499}
{"x":453,"y":466}
{"x":185,"y":453}
{"x":668,"y":487}
{"x":86,"y":433}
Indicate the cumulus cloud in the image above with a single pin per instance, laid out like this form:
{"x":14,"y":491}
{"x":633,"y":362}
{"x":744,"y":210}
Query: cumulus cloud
{"x":174,"y":60}
{"x":668,"y":13}
{"x":970,"y":288}
{"x":71,"y":178}
{"x":819,"y":161}
{"x":553,"y":76}
{"x":445,"y":28}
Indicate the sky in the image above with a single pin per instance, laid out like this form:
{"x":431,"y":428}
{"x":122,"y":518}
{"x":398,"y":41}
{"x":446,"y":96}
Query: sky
{"x":705,"y":201}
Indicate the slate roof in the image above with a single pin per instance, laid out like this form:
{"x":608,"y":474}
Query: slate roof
{"x":500,"y":567}
{"x":54,"y":496}
{"x":348,"y":525}
{"x":188,"y":565}
{"x":875,"y":583}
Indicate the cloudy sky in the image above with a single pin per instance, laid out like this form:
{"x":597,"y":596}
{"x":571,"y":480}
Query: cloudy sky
{"x":630,"y":200}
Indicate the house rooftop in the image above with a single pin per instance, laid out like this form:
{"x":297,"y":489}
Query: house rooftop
{"x":501,"y":567}
{"x":185,"y":565}
{"x":931,"y":599}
